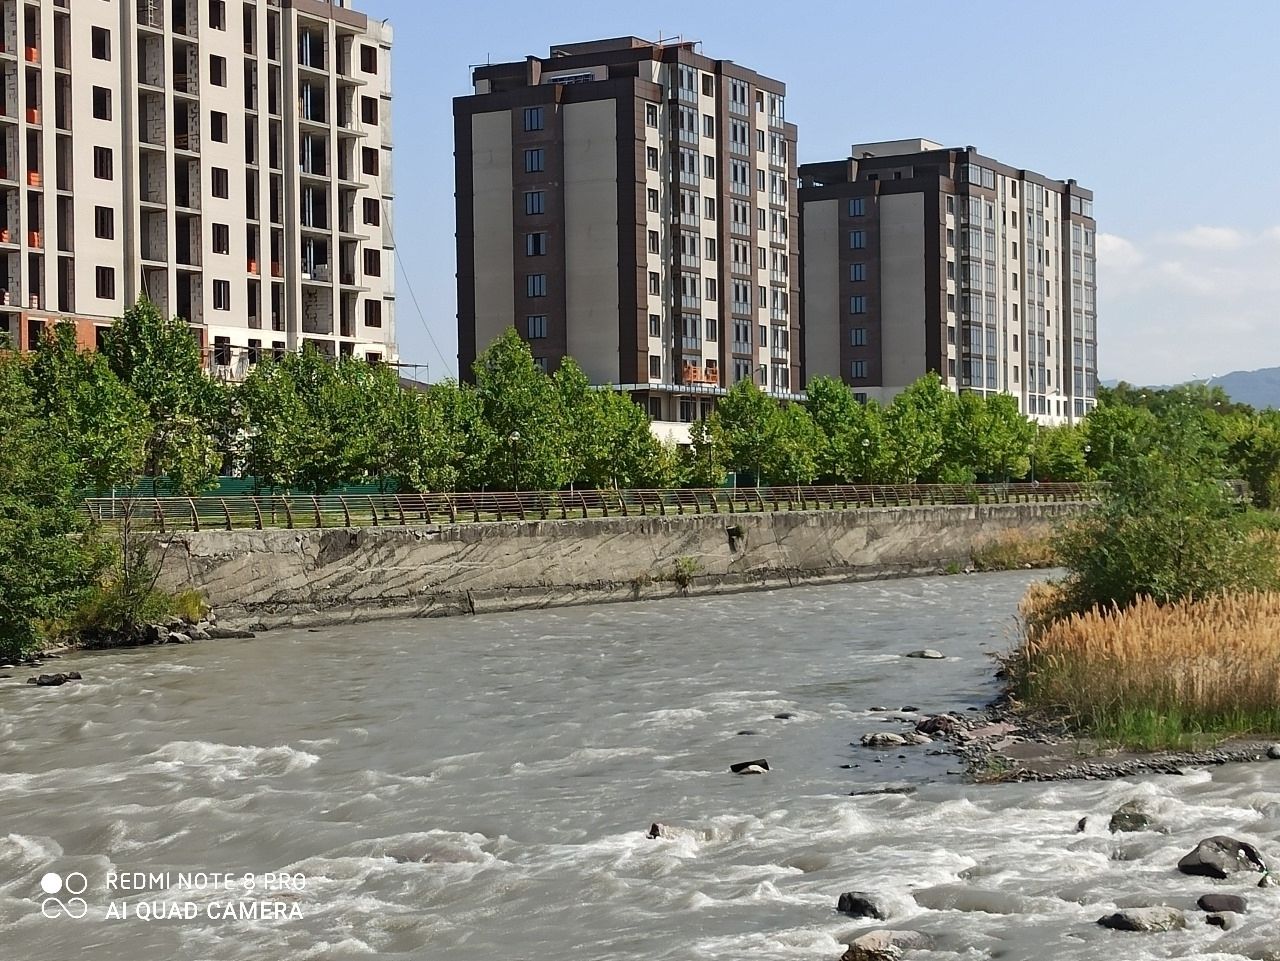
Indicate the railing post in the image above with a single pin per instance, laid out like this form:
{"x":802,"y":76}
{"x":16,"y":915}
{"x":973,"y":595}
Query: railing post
{"x":315,"y":504}
{"x":346,"y":513}
{"x":288,"y":511}
{"x":582,"y":499}
{"x":195,"y":514}
{"x":604,"y":503}
{"x":520,"y":504}
{"x":225,"y":511}
{"x":257,"y":512}
{"x":160,"y":514}
{"x":400,"y":509}
{"x":564,"y":505}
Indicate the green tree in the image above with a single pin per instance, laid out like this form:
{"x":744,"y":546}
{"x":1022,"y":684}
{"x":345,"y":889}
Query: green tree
{"x":794,"y":443}
{"x":987,"y":438}
{"x":464,"y":438}
{"x":98,"y":421}
{"x":743,"y":420}
{"x":914,"y":425}
{"x":1254,"y":445}
{"x":520,"y":411}
{"x":1167,"y":527}
{"x":48,"y":556}
{"x":705,"y":457}
{"x":852,"y":446}
{"x":1112,"y":430}
{"x":1060,"y":454}
{"x":159,"y":359}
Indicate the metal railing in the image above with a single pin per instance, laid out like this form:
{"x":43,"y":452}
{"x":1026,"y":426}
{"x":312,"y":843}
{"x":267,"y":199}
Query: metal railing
{"x":389,"y":510}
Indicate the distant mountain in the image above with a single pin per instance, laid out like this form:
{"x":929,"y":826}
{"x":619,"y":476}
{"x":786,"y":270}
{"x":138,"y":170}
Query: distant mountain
{"x":1257,"y":388}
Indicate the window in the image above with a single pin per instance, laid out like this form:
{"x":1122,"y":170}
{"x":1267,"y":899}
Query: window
{"x":534,"y":160}
{"x":536,"y":324}
{"x":368,"y":58}
{"x":254,"y":353}
{"x":102,"y":165}
{"x":655,"y":367}
{"x":650,"y":158}
{"x":218,"y":125}
{"x":709,"y":167}
{"x":106,"y":283}
{"x":655,"y":282}
{"x":535,"y":244}
{"x":221,"y":239}
{"x":218,"y":14}
{"x":100,"y":43}
{"x":857,"y":304}
{"x":534,"y":202}
{"x":858,"y":370}
{"x":535,"y":285}
{"x":101,"y":103}
{"x":857,"y":239}
{"x":369,"y":160}
{"x":373,"y":313}
{"x":711,"y":248}
{"x":651,"y":114}
{"x":713,"y":293}
{"x":217,"y":70}
{"x":222,"y":295}
{"x":532,"y":117}
{"x":857,"y":207}
{"x":709,"y":208}
{"x":858,"y":337}
{"x":708,"y":125}
{"x":221,"y":349}
{"x":372,"y":211}
{"x":104,"y":223}
{"x":655,"y":325}
{"x":369,"y":110}
{"x":857,"y":272}
{"x":372,"y":262}
{"x":653,"y":201}
{"x":708,"y":85}
{"x":220,"y":182}
{"x":278,"y":349}
{"x":653,"y":241}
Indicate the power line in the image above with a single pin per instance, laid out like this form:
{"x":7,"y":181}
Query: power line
{"x":409,"y":284}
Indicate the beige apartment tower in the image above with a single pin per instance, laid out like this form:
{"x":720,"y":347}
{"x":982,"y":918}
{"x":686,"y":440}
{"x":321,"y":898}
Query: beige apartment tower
{"x":228,"y":159}
{"x":921,"y":258}
{"x":631,"y":205}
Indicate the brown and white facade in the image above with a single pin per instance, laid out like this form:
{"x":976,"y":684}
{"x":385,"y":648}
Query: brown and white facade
{"x":632,"y":205}
{"x":923,"y":258}
{"x":231,"y":161}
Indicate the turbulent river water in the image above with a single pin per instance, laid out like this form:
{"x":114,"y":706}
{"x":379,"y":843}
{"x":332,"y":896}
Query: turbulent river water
{"x":480,"y":788}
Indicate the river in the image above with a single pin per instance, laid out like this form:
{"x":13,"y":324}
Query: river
{"x":480,"y":788}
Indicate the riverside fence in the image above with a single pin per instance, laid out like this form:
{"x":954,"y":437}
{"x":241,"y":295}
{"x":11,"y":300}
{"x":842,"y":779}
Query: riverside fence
{"x":248,"y":512}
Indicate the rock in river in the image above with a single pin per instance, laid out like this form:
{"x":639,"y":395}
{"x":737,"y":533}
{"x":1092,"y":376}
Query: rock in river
{"x":1131,"y":816}
{"x":1144,"y":919}
{"x":885,"y":945}
{"x":1220,"y":857}
{"x":863,"y":904}
{"x":883,"y":739}
{"x":928,"y":654}
{"x":750,"y":767}
{"x":1273,"y":752}
{"x":1217,"y":903}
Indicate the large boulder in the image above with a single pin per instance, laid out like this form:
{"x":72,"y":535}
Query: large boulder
{"x":1220,"y":857}
{"x":1217,"y":903}
{"x":1132,"y":816}
{"x":938,"y":724}
{"x":1144,"y":919}
{"x":928,"y":654}
{"x":750,"y":767}
{"x":1273,"y":752}
{"x":886,"y":945}
{"x":863,"y":904}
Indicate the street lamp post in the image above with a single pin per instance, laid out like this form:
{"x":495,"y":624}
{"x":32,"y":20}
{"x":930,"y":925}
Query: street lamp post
{"x":514,"y":440}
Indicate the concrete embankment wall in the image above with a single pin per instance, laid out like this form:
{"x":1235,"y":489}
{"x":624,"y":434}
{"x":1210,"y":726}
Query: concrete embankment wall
{"x":274,"y":578}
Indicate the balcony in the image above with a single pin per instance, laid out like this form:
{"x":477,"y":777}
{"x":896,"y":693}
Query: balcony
{"x":33,"y":55}
{"x":694,"y":374}
{"x":34,"y":179}
{"x":151,"y":14}
{"x":35,"y":239}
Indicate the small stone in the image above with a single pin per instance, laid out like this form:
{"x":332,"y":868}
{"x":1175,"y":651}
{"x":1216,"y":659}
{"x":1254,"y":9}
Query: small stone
{"x":50,"y":680}
{"x":877,"y":709}
{"x":1144,"y":919}
{"x":747,"y":733}
{"x":1218,"y":903}
{"x":883,"y":740}
{"x":74,"y":676}
{"x":928,"y":654}
{"x":917,"y":738}
{"x":1225,"y":921}
{"x":226,"y":633}
{"x":785,"y":715}
{"x":750,"y":767}
{"x":1081,"y":825}
{"x":178,"y":637}
{"x":199,"y":633}
{"x":908,"y":709}
{"x":861,"y":904}
{"x":938,"y":724}
{"x":1269,"y":880}
{"x":1273,"y":752}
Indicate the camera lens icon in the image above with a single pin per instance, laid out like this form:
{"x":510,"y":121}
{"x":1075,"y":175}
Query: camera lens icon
{"x":74,"y":883}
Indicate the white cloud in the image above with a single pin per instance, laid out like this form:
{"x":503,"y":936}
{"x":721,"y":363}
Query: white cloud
{"x":1201,"y":302}
{"x":1209,"y":238}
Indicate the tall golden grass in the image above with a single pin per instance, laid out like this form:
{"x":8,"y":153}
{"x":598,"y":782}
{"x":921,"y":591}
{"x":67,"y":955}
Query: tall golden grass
{"x":1152,"y":674}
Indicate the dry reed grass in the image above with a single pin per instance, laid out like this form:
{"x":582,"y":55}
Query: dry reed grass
{"x":1013,"y":549}
{"x":1150,"y":674}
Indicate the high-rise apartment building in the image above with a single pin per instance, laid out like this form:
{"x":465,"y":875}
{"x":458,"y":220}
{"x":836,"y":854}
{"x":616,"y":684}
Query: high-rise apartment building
{"x":631,"y":205}
{"x":231,"y":161}
{"x":921,"y":258}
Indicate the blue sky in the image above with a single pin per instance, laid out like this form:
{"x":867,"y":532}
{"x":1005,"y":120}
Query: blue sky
{"x":1167,"y":110}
